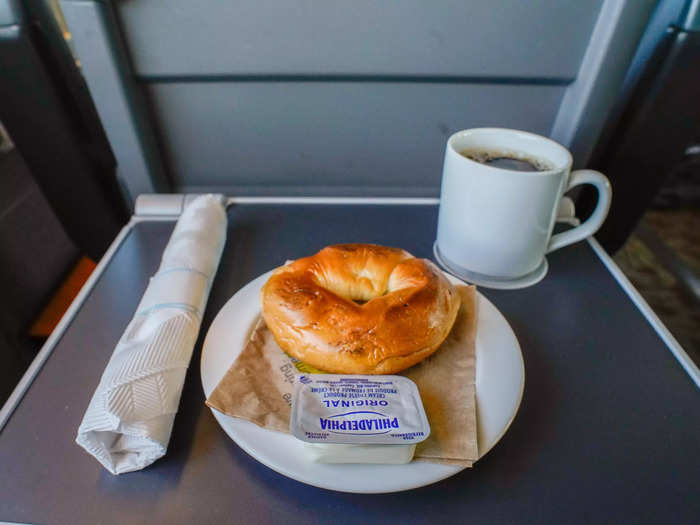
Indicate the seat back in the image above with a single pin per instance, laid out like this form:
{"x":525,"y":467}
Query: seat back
{"x":311,"y":97}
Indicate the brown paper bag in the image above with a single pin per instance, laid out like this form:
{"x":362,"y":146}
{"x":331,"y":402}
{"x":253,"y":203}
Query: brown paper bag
{"x":258,"y":387}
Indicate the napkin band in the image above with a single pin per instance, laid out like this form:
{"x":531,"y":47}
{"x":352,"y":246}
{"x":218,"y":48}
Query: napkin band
{"x":176,"y":287}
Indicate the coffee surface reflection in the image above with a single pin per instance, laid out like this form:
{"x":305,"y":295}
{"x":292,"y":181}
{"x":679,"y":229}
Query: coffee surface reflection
{"x":506,"y":160}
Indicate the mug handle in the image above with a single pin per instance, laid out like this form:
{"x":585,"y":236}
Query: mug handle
{"x":590,"y":226}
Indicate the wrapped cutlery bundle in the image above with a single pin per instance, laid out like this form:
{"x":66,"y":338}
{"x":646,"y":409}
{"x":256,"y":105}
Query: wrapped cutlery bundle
{"x":128,"y":422}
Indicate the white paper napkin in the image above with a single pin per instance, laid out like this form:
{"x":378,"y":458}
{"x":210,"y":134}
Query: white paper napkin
{"x":128,"y":422}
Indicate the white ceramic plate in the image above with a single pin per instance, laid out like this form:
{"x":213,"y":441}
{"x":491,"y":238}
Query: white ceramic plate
{"x":500,"y":378}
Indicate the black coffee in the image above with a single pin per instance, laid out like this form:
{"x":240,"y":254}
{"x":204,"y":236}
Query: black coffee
{"x":506,"y":160}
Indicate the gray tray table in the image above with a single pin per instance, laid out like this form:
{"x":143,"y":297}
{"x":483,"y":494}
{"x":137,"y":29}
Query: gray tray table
{"x":608,"y":429}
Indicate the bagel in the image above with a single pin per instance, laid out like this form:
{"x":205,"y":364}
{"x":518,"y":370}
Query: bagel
{"x":359,"y":309}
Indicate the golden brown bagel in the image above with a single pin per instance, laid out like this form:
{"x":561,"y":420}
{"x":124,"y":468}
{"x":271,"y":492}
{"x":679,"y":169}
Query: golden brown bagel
{"x":407,"y":309}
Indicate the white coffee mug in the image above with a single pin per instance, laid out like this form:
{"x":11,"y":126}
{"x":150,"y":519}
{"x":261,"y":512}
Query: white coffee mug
{"x":495,"y":225}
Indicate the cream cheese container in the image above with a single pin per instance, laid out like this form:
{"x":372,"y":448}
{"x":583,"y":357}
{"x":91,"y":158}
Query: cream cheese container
{"x":358,"y":419}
